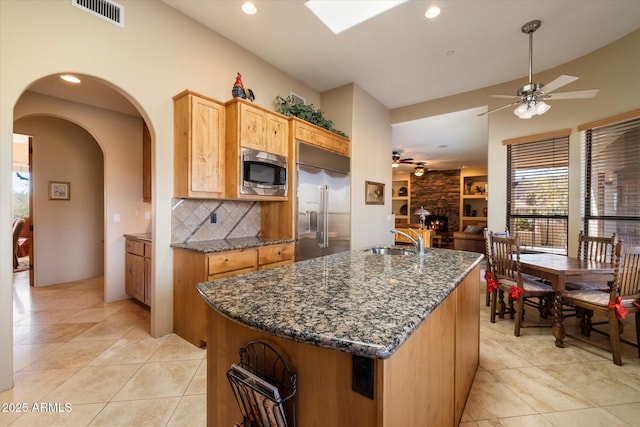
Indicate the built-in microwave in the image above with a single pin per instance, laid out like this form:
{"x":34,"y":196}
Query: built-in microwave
{"x":263,"y":173}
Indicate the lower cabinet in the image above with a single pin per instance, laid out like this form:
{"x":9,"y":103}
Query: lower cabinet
{"x":137,"y":264}
{"x":191,"y":268}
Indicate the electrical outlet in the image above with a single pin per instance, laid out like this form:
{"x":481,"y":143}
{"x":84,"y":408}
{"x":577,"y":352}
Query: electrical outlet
{"x":214,"y":218}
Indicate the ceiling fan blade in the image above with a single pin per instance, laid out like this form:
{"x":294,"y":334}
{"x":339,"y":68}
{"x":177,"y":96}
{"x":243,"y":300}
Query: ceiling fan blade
{"x":576,"y":94}
{"x":558,"y":83}
{"x":499,"y":108}
{"x":504,"y":96}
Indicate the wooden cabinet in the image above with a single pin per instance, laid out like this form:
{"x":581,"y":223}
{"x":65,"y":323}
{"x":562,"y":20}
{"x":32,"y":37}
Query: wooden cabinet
{"x":427,"y":236}
{"x":137,"y":263}
{"x":199,"y":129}
{"x":251,"y":126}
{"x":401,"y":198}
{"x":191,"y":268}
{"x":473,"y":200}
{"x":275,"y":255}
{"x":314,"y":135}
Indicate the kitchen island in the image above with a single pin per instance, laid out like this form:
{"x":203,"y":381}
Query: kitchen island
{"x":415,"y":318}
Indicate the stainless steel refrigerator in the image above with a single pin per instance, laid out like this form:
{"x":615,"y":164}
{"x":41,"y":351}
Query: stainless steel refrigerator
{"x":323,"y":202}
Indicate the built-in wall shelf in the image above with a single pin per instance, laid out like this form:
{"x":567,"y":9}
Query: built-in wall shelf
{"x":401,"y":198}
{"x":474,"y":193}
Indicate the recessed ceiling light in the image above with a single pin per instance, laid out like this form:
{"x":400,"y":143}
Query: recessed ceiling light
{"x":342,"y":15}
{"x":432,"y":12}
{"x":69,"y":78}
{"x":443,"y":146}
{"x":450,"y":52}
{"x":249,"y":8}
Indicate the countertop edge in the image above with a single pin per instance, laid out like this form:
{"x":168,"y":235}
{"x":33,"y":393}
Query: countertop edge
{"x":358,"y":348}
{"x":223,"y":245}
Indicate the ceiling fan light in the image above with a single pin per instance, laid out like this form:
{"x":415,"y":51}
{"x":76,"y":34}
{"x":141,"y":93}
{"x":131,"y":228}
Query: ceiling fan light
{"x":395,"y":165}
{"x":521,"y":109}
{"x":542,"y":107}
{"x":418,"y":171}
{"x":524,"y":111}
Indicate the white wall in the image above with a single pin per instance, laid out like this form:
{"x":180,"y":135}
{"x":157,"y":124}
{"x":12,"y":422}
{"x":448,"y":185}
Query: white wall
{"x":68,"y":237}
{"x":158,"y":54}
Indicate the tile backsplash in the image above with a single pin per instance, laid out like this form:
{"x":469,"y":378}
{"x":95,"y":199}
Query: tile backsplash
{"x":191,"y":219}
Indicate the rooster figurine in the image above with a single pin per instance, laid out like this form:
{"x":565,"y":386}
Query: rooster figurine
{"x":239,"y":90}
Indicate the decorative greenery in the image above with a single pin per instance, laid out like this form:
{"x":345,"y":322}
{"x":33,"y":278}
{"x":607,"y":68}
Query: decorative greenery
{"x":308,"y":113}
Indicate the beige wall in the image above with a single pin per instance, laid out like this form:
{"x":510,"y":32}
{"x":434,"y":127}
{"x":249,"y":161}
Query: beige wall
{"x":68,"y":242}
{"x":613,"y":69}
{"x":120,"y":138}
{"x":158,"y":54}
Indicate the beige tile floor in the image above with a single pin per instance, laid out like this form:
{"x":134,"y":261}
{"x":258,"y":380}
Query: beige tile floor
{"x":99,"y":359}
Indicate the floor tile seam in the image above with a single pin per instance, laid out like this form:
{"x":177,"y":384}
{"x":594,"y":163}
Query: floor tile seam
{"x":146,"y":360}
{"x":193,"y":377}
{"x":513,"y":393}
{"x":546,"y":414}
{"x":583,"y":396}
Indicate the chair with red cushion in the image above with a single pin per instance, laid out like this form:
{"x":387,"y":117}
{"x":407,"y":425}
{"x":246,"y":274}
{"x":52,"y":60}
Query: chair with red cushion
{"x":505,"y":254}
{"x":594,"y":248}
{"x":622,"y":299}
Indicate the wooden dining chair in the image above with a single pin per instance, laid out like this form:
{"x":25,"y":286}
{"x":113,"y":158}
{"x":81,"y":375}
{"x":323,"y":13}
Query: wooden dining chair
{"x":521,"y":291}
{"x":622,"y":299}
{"x":489,"y":264}
{"x":594,"y":248}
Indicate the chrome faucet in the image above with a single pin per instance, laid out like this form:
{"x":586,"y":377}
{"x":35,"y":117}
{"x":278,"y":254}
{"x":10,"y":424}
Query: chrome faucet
{"x":419,"y":243}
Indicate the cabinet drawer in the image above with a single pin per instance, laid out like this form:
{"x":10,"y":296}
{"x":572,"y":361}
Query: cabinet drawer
{"x":147,"y":250}
{"x":274,"y":253}
{"x":230,"y":261}
{"x":134,"y":247}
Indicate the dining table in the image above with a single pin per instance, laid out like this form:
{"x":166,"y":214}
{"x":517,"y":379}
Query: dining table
{"x":558,"y":270}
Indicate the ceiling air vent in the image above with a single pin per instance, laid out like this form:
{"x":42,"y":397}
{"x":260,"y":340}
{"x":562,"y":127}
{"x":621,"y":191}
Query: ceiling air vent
{"x":105,"y":9}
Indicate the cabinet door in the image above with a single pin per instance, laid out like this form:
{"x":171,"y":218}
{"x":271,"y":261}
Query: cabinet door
{"x":134,"y":276}
{"x":252,"y":128}
{"x":207,"y":142}
{"x":277,"y":135}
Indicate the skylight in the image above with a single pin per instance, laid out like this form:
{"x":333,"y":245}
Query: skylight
{"x":341,"y":15}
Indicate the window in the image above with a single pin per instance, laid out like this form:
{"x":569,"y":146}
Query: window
{"x":611,"y":179}
{"x":538,"y":192}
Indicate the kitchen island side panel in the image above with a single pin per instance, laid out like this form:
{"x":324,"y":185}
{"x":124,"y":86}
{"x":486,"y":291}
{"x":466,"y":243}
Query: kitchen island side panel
{"x":415,"y":386}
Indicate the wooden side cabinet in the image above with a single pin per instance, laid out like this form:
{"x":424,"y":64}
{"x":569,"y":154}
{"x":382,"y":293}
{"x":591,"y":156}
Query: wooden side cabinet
{"x":250,"y":126}
{"x":254,"y":127}
{"x":314,"y":135}
{"x":191,"y":268}
{"x":199,"y":135}
{"x":137,"y":263}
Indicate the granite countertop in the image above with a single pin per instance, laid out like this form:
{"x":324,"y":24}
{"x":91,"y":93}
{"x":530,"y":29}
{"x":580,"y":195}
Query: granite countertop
{"x":145,"y":237}
{"x":221,"y":245}
{"x":354,"y":301}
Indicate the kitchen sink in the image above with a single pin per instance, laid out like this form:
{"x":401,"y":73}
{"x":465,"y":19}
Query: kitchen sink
{"x":390,"y":251}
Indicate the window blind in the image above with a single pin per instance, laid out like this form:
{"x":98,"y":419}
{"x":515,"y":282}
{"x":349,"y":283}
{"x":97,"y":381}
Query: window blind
{"x":611,"y":180}
{"x":538,"y":194}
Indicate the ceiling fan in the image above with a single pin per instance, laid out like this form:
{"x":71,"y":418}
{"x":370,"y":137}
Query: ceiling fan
{"x":397,"y":160}
{"x":530,"y":97}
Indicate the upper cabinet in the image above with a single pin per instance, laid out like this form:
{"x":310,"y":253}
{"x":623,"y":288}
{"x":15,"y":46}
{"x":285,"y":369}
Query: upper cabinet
{"x":199,"y":135}
{"x":251,"y":126}
{"x":257,"y":128}
{"x":314,"y":135}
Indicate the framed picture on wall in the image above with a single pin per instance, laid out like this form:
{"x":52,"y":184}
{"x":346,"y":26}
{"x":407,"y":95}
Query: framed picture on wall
{"x":373,"y":193}
{"x":59,"y":190}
